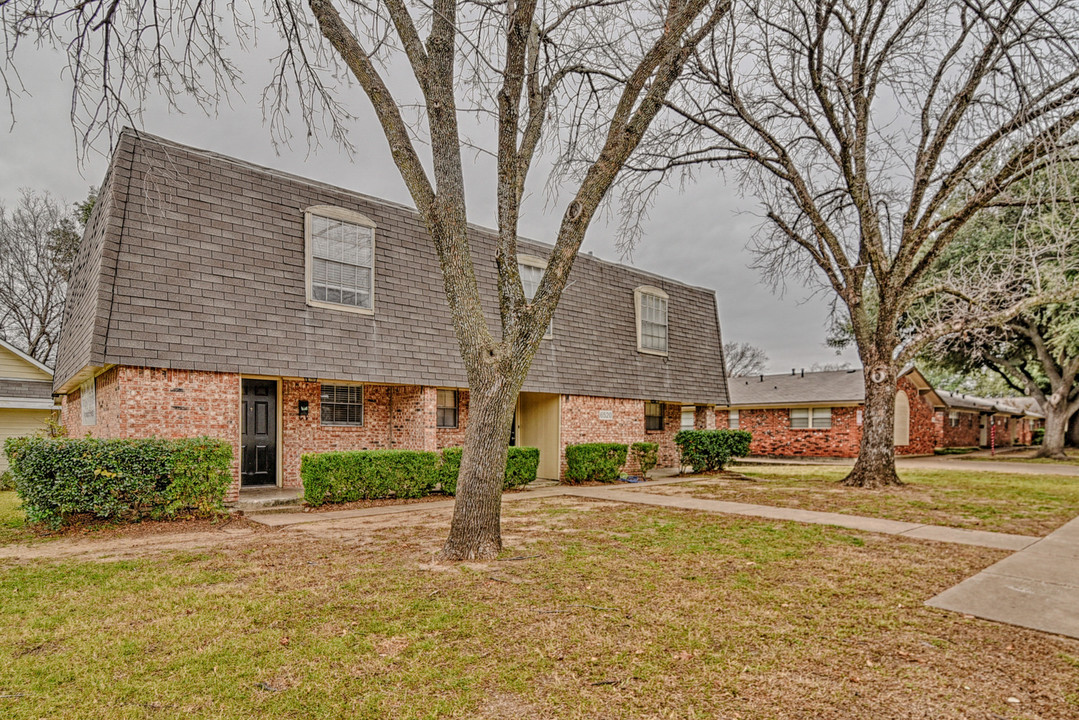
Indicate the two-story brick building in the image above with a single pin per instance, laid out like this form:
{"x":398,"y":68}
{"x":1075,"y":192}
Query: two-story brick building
{"x":212,"y":296}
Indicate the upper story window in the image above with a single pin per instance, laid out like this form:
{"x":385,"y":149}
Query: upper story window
{"x":447,"y":409}
{"x":531,"y":270}
{"x":340,"y":259}
{"x":733,"y":420}
{"x":811,"y":418}
{"x":653,"y":416}
{"x":651,"y":307}
{"x":342,"y":405}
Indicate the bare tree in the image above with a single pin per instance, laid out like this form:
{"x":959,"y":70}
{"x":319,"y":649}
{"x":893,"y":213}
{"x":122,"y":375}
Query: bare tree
{"x":872,"y":132}
{"x":586,"y":78}
{"x":38,"y":240}
{"x":744,"y":359}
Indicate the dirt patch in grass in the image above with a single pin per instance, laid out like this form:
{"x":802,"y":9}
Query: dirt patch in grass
{"x":999,"y":502}
{"x":611,"y":611}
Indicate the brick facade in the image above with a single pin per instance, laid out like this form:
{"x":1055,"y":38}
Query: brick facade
{"x":774,"y":436}
{"x":581,"y":423}
{"x":965,"y":433}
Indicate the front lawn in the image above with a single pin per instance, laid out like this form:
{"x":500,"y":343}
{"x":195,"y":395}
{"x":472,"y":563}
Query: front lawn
{"x":594,"y":611}
{"x":1001,"y":502}
{"x":12,"y":521}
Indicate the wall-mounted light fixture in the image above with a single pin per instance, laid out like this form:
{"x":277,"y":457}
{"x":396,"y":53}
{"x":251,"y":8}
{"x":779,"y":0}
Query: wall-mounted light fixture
{"x":303,"y":408}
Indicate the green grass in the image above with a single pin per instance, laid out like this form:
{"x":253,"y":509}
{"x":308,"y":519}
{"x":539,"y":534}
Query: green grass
{"x":1026,"y":456}
{"x":596,"y":611}
{"x":1002,"y":502}
{"x":12,"y":520}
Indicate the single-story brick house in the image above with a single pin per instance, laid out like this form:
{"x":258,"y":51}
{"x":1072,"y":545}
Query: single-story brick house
{"x":286,"y":316}
{"x":819,"y":414}
{"x":971,"y":421}
{"x":26,"y":403}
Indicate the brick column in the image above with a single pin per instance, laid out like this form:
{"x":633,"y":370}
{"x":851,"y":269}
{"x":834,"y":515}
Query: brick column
{"x":705,"y":417}
{"x":429,"y":418}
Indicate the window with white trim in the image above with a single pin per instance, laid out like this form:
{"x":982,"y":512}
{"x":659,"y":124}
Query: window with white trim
{"x":340,"y":258}
{"x":811,"y":418}
{"x":689,"y":417}
{"x":447,"y":409}
{"x":953,"y":418}
{"x":88,"y":402}
{"x":653,"y":416}
{"x":342,"y":405}
{"x":733,"y":420}
{"x":651,"y":307}
{"x":531,"y":270}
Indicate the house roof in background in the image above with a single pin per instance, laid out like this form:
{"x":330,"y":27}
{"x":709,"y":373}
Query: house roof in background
{"x":837,"y":387}
{"x":24,"y":356}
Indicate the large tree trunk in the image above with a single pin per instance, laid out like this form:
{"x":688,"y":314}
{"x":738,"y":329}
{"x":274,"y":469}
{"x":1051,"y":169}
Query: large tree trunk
{"x":875,"y":466}
{"x":1056,"y":429}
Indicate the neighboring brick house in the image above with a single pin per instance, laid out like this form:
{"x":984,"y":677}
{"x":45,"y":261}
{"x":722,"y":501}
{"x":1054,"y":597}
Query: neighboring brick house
{"x":26,"y":403}
{"x":819,"y":414}
{"x":971,"y":421}
{"x":211,"y":296}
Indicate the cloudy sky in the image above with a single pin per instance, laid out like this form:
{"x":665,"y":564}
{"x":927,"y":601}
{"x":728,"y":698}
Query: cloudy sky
{"x":697,"y":234}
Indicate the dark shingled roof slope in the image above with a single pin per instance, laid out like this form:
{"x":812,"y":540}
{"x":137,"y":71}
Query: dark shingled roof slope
{"x":838,"y":386}
{"x":193,"y":260}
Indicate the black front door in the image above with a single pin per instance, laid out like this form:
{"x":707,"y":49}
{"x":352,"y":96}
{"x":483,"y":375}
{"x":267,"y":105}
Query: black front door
{"x":258,"y":464}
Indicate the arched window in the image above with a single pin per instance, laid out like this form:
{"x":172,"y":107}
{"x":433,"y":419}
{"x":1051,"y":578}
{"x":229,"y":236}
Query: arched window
{"x":902,"y":419}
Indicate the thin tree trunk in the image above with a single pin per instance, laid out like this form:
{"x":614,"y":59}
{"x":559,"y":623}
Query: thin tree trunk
{"x":875,"y":466}
{"x":1056,"y":429}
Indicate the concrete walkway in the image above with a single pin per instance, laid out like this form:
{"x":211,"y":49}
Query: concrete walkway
{"x":928,"y":462}
{"x":1037,"y":587}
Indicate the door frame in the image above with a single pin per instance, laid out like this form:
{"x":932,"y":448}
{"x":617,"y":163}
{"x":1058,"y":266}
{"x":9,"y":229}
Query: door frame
{"x":558,"y":440}
{"x":240,"y":429}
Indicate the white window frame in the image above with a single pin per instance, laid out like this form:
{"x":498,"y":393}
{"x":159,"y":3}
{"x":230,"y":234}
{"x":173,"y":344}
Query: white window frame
{"x":342,"y":215}
{"x":322,"y":405}
{"x":536,"y":263}
{"x":813,"y":416}
{"x":88,"y":402}
{"x":638,"y":297}
{"x":691,"y":412}
{"x":953,"y":418}
{"x":456,"y":408}
{"x":734,"y":420}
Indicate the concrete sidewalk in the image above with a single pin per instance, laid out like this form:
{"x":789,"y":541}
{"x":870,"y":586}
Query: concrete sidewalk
{"x":928,"y":462}
{"x":1037,"y":587}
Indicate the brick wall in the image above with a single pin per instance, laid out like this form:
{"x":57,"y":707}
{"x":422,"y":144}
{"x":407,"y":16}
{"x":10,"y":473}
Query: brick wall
{"x":924,"y":429}
{"x":581,"y":424}
{"x":455,"y":437}
{"x":135,"y":402}
{"x":965,"y":434}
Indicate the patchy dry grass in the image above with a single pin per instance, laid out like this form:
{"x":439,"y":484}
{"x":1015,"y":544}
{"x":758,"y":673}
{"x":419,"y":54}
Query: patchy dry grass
{"x":1001,"y":502}
{"x":594,"y":611}
{"x":12,"y":520}
{"x":1025,"y":456}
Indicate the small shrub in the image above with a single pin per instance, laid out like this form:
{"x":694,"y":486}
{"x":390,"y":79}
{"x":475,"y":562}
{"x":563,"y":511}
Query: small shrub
{"x":521,"y":466}
{"x":60,"y":477}
{"x":646,"y":455}
{"x":1038,"y":436}
{"x":7,"y":481}
{"x":710,"y":450}
{"x":594,"y":461}
{"x":337,"y":477}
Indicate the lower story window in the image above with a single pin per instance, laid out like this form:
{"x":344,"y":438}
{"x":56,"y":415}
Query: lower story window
{"x":815,"y":418}
{"x":447,"y":409}
{"x":733,"y":420}
{"x":653,"y":416}
{"x":689,"y":418}
{"x":342,"y":405}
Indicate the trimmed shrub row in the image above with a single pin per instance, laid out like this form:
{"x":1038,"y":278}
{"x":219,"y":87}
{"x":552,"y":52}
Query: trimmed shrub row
{"x":521,"y":466}
{"x":709,"y":450}
{"x":60,"y":477}
{"x":598,"y":462}
{"x":337,"y":477}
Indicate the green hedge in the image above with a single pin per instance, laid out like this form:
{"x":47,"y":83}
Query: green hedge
{"x":708,"y":450}
{"x":594,"y":461}
{"x":336,"y":477}
{"x":1038,"y":436}
{"x":646,"y":455}
{"x":60,"y":477}
{"x":521,"y":466}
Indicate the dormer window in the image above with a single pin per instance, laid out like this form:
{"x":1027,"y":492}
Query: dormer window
{"x":651,"y":307}
{"x":340,"y":259}
{"x":531,"y":270}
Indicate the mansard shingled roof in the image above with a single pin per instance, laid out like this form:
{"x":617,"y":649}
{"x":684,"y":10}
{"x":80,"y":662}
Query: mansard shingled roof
{"x":194,"y":260}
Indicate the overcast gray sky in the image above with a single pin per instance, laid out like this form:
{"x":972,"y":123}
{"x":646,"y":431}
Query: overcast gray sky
{"x":698,"y":235}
